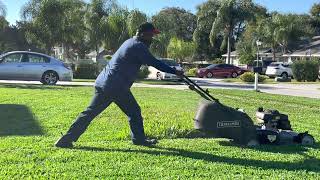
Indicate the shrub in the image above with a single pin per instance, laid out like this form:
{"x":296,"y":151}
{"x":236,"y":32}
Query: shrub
{"x":108,"y":57}
{"x":305,"y":70}
{"x":249,"y":77}
{"x":86,"y":71}
{"x":144,"y":72}
{"x":192,"y":72}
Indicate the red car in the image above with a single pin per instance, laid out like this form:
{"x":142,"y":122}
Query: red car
{"x":220,"y":70}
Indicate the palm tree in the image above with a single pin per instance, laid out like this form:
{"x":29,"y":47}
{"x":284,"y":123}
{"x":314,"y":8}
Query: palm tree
{"x":95,"y":19}
{"x":279,"y":30}
{"x":231,"y":14}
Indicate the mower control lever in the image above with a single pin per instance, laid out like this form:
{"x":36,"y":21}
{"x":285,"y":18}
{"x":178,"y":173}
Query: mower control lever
{"x":195,"y":87}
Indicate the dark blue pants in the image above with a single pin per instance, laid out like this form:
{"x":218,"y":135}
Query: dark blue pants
{"x":100,"y":101}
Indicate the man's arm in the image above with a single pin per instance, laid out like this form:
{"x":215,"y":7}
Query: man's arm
{"x":145,"y":57}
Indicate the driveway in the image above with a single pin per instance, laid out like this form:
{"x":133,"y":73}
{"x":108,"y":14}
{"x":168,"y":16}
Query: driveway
{"x":302,"y":90}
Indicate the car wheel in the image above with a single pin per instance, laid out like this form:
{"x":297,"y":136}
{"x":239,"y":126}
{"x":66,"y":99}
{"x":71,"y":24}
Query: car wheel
{"x":49,"y":78}
{"x":284,"y":75}
{"x":234,"y":75}
{"x":209,"y":75}
{"x":159,"y":76}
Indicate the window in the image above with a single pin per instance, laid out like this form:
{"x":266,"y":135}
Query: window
{"x":33,"y":58}
{"x":211,"y":66}
{"x":12,"y":58}
{"x":228,"y":66}
{"x":169,"y":62}
{"x":221,"y":66}
{"x":274,"y":64}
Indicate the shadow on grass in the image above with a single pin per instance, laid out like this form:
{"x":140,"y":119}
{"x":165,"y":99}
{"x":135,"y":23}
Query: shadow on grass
{"x":284,"y":149}
{"x":309,"y":164}
{"x":18,"y":120}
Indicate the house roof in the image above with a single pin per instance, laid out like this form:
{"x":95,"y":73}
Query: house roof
{"x":94,"y":53}
{"x":262,"y":52}
{"x":309,"y":49}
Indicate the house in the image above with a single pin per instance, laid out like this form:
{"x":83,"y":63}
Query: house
{"x":306,"y":50}
{"x":101,"y":54}
{"x":264,"y":55}
{"x":92,"y":57}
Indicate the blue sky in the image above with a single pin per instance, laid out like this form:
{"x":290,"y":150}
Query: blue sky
{"x":151,"y":7}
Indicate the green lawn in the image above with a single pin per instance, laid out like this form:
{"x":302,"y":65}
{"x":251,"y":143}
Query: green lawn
{"x":144,"y":81}
{"x":32,"y":117}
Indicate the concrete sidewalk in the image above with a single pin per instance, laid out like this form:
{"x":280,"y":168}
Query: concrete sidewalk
{"x":301,"y":90}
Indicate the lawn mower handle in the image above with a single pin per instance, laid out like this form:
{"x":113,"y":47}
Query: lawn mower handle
{"x":195,"y":87}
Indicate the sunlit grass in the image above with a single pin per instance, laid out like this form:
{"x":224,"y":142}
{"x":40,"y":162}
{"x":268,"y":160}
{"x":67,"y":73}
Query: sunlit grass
{"x":105,"y":150}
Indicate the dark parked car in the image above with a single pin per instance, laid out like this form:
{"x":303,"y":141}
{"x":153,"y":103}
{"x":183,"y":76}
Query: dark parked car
{"x":220,"y":70}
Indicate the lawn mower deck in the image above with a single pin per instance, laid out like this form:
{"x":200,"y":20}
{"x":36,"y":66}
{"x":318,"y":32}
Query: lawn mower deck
{"x":221,"y":121}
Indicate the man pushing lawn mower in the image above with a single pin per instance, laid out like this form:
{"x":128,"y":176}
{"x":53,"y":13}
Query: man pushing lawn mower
{"x":113,"y":85}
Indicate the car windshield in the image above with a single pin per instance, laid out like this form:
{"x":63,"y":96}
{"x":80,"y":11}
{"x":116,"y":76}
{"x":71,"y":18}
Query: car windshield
{"x":211,"y":66}
{"x":274,"y":64}
{"x":170,"y":62}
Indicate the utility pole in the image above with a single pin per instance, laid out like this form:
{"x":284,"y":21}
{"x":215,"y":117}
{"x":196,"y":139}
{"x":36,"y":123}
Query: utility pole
{"x":256,"y":75}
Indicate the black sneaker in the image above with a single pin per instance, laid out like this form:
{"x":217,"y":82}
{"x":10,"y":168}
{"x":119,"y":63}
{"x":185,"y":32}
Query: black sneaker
{"x":146,"y":142}
{"x":64,"y":142}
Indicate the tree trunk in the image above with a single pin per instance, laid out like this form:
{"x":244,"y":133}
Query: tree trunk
{"x":273,"y":53}
{"x":97,"y":53}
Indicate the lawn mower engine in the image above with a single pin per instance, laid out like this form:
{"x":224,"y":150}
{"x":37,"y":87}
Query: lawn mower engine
{"x":275,"y":128}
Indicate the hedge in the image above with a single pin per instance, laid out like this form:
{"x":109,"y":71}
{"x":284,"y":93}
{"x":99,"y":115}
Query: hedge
{"x":306,"y":70}
{"x":85,"y":71}
{"x":249,"y":77}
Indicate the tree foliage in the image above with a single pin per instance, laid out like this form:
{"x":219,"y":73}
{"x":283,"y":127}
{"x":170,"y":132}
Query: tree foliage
{"x":172,"y":22}
{"x":116,"y":31}
{"x":96,"y":19}
{"x":53,"y":22}
{"x":206,"y":14}
{"x":135,"y":18}
{"x":315,"y":17}
{"x":180,"y":50}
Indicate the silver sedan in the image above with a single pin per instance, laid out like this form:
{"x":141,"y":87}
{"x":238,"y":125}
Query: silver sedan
{"x":32,"y":66}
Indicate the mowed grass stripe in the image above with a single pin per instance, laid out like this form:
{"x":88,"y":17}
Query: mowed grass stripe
{"x":105,"y":151}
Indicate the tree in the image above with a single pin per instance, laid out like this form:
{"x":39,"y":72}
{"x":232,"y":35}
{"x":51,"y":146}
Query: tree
{"x":3,"y":10}
{"x":135,"y":18}
{"x":180,"y":50}
{"x":176,"y":21}
{"x":315,"y":10}
{"x":3,"y":22}
{"x":315,"y":17}
{"x":95,"y":19}
{"x":246,"y":47}
{"x":231,"y":14}
{"x":160,"y":44}
{"x":206,"y":14}
{"x":172,"y":22}
{"x":53,"y":22}
{"x":283,"y":31}
{"x":116,"y":31}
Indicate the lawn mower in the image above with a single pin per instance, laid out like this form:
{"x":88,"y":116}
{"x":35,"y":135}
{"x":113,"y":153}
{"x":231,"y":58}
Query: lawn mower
{"x":221,"y":121}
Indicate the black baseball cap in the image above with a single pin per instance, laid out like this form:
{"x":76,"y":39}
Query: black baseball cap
{"x":148,"y":27}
